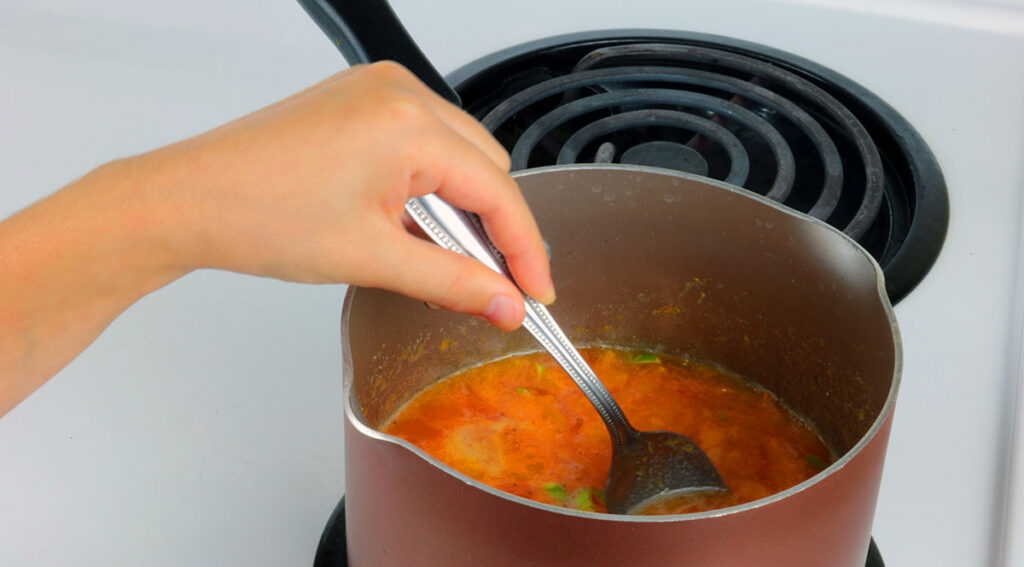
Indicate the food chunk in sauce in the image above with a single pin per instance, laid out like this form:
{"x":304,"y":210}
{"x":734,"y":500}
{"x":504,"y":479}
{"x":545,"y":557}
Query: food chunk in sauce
{"x":521,"y":425}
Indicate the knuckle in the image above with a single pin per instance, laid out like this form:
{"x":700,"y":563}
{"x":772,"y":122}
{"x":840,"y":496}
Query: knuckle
{"x":404,"y":108}
{"x":389,"y":70}
{"x":504,"y":160}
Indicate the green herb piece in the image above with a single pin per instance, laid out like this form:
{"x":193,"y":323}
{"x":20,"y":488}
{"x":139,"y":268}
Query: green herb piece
{"x":815,"y":461}
{"x":556,"y":492}
{"x":522,"y":390}
{"x":584,"y":500}
{"x":540,"y":369}
{"x":644,"y":358}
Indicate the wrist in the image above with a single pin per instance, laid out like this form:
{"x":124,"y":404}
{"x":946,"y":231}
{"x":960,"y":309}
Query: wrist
{"x":71,"y":264}
{"x":135,"y":224}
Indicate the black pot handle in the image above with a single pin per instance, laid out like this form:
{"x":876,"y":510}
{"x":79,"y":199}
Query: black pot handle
{"x":365,"y":31}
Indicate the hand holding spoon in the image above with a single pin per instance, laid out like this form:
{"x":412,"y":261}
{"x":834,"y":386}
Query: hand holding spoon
{"x":646,"y":466}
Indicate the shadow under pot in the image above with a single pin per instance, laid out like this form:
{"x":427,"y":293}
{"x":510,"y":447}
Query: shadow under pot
{"x":653,"y":260}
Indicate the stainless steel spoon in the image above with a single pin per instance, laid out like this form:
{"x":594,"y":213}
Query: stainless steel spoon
{"x":646,"y":466}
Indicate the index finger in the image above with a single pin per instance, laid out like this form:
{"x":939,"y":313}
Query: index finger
{"x":468,"y":179}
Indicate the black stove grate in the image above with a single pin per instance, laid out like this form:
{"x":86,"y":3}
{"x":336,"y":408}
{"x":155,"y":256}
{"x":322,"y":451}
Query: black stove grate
{"x":745,"y":114}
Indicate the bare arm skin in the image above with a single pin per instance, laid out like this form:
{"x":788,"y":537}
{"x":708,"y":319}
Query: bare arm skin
{"x":310,"y":189}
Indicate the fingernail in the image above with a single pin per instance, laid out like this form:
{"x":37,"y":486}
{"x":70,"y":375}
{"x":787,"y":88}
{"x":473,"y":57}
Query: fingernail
{"x":549,"y":297}
{"x":503,"y":312}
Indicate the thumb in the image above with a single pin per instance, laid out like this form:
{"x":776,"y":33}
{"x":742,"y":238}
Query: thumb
{"x":422,"y":270}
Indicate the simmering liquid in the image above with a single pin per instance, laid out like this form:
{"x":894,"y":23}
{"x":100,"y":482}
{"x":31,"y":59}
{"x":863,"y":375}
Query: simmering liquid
{"x":521,"y":425}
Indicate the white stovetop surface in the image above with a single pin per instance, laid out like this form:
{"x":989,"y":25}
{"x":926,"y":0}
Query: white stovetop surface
{"x":205,"y":426}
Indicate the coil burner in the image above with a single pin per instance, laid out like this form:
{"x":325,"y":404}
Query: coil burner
{"x":749,"y":115}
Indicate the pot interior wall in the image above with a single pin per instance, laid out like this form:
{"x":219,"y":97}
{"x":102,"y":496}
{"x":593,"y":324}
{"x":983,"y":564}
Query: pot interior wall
{"x":659,"y":260}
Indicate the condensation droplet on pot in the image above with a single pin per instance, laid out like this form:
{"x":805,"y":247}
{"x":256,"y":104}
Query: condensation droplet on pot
{"x":609,"y":196}
{"x":596,"y":188}
{"x":669,"y":198}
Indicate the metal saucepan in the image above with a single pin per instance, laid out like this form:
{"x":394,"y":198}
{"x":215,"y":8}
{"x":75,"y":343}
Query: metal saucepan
{"x":733,"y":279}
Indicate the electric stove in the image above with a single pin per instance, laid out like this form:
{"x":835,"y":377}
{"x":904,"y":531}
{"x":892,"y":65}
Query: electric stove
{"x":750,"y":115}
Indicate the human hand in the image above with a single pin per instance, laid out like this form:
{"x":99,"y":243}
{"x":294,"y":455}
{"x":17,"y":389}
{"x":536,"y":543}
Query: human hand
{"x":313,"y":188}
{"x":310,"y":189}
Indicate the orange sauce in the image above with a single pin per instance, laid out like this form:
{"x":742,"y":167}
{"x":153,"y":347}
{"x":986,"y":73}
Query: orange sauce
{"x":521,"y":425}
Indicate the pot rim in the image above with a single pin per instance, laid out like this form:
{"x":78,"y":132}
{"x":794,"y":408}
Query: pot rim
{"x":880,"y":420}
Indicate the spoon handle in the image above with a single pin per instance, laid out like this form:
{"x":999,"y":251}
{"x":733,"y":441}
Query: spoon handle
{"x":462,"y":232}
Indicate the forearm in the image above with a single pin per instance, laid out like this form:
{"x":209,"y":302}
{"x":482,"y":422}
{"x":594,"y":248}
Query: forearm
{"x":310,"y":189}
{"x":71,"y":264}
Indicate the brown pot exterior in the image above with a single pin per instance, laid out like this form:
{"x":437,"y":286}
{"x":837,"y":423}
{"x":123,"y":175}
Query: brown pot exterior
{"x":403,"y":511}
{"x":709,"y":270}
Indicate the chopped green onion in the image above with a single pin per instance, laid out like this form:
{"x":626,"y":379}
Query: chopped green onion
{"x":540,"y":369}
{"x":815,"y":461}
{"x":584,"y":500}
{"x":557,"y":492}
{"x":644,"y":358}
{"x":522,"y":390}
